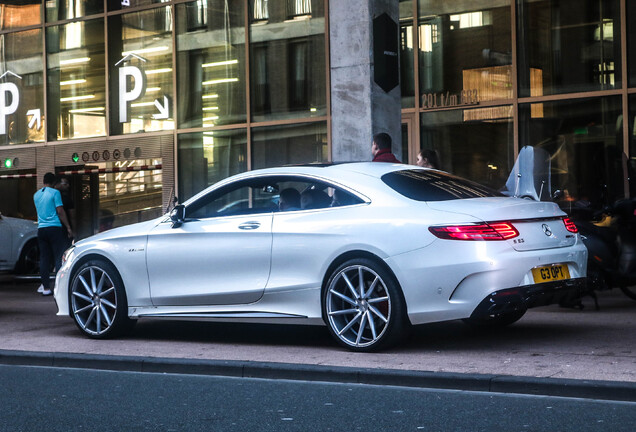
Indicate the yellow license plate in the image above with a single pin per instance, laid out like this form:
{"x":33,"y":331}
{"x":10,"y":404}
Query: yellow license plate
{"x":551,"y":273}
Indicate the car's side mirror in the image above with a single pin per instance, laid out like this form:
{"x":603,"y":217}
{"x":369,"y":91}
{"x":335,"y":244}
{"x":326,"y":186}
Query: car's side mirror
{"x":177,"y":215}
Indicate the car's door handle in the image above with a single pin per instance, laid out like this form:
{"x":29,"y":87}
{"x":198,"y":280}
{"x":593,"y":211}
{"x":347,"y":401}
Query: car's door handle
{"x":249,"y":225}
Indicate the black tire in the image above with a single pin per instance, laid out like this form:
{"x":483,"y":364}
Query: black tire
{"x":629,"y":291}
{"x":29,"y":261}
{"x":363,"y":306}
{"x":497,"y":321}
{"x":97,"y":300}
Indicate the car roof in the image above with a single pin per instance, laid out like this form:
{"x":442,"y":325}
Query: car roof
{"x":343,"y":173}
{"x":373,"y":169}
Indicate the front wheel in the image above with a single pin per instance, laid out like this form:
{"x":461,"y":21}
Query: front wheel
{"x":363,"y":306}
{"x":98,"y":300}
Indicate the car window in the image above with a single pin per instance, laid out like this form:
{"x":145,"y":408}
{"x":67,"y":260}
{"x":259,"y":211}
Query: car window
{"x":315,"y":194}
{"x":269,"y":194}
{"x":428,"y":185}
{"x":236,"y":199}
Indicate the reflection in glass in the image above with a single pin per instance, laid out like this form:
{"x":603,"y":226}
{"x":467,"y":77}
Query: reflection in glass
{"x":473,"y":143}
{"x":464,"y":52}
{"x":208,"y":157}
{"x":23,"y":87}
{"x":15,"y":14}
{"x":584,"y":138}
{"x":114,"y":5}
{"x":76,"y":80}
{"x":287,"y":48}
{"x":127,"y":197}
{"x":631,"y":44}
{"x":58,"y":10}
{"x":140,"y":51}
{"x":407,"y":53}
{"x":289,"y":144}
{"x":632,"y":145}
{"x":568,"y":46}
{"x":211,"y":63}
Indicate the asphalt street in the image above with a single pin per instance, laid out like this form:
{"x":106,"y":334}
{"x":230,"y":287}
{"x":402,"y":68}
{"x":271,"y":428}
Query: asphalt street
{"x":57,"y":399}
{"x":549,"y":343}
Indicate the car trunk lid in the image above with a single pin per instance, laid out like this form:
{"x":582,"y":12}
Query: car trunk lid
{"x":540,"y":224}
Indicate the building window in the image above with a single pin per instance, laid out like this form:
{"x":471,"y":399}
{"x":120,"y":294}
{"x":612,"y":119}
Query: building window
{"x":211,"y":64}
{"x":260,"y":10}
{"x":464,"y":52}
{"x":573,"y":44}
{"x":407,"y":52}
{"x":584,"y":140}
{"x":76,"y":80}
{"x":298,"y":8}
{"x":285,"y":56}
{"x":208,"y":157}
{"x":22,"y":87}
{"x":140,"y":65}
{"x":59,"y":10}
{"x":631,"y":44}
{"x":289,"y":144}
{"x":471,"y":143}
{"x":19,"y":14}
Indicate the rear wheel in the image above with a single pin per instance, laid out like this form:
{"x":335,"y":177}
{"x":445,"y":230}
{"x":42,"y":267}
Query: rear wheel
{"x":29,"y":261}
{"x":363,"y":306}
{"x":98,"y":300}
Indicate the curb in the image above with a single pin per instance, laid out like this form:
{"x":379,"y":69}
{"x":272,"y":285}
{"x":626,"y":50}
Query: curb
{"x":586,"y":389}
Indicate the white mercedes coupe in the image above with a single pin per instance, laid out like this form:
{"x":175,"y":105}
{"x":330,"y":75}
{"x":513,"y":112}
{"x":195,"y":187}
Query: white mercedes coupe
{"x":366,"y":249}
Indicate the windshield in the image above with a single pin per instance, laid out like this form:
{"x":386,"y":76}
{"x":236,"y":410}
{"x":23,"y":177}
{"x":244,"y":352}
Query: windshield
{"x":430,"y":185}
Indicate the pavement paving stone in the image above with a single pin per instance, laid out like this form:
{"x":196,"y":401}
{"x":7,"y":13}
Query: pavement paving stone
{"x":551,"y":350}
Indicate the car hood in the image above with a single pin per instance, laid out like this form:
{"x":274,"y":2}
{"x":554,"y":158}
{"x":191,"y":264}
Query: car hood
{"x":21,"y":227}
{"x":138,"y":229}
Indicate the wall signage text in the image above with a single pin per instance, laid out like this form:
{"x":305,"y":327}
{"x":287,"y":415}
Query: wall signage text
{"x":447,"y":100}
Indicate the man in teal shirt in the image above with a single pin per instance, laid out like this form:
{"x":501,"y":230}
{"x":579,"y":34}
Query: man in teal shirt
{"x":51,"y":235}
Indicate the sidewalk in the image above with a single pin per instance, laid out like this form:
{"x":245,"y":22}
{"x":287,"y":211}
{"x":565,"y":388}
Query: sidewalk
{"x":550,"y":351}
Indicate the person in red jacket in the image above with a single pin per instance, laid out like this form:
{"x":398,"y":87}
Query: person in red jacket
{"x":381,"y":149}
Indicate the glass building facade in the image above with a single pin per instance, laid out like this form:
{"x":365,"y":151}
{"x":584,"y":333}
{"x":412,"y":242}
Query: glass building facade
{"x":139,"y":101}
{"x":483,"y":79}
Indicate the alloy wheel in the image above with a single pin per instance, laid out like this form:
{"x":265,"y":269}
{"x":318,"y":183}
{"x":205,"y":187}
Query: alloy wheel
{"x":358,"y":306}
{"x":94,"y":300}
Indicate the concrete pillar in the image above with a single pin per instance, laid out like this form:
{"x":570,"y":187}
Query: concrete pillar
{"x":359,"y":107}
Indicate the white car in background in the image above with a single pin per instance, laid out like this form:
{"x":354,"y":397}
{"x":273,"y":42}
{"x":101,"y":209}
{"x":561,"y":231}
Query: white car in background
{"x":19,"y":250}
{"x":392,"y":245}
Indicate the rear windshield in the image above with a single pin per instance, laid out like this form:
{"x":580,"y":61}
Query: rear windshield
{"x":428,"y":185}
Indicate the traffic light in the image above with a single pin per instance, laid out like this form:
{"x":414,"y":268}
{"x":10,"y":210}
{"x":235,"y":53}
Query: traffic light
{"x":75,"y":157}
{"x":8,"y":163}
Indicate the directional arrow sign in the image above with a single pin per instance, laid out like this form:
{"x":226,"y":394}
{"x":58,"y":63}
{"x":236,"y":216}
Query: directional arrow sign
{"x":164,"y":110}
{"x":36,"y":119}
{"x":10,"y":73}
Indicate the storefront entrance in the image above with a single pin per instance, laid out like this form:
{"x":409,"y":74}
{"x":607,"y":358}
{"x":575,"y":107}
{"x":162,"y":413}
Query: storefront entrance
{"x":112,"y":194}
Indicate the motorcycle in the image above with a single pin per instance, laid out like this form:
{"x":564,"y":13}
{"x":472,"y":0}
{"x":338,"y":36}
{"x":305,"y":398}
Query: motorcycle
{"x":609,"y":233}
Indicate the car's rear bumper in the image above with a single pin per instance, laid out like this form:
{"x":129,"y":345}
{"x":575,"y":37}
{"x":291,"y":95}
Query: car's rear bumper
{"x":529,"y":296}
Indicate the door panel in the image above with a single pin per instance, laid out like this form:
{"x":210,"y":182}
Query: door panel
{"x":220,"y":260}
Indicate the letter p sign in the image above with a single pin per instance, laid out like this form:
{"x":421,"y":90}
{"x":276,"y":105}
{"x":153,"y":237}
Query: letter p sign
{"x":6,"y":110}
{"x":134,"y":76}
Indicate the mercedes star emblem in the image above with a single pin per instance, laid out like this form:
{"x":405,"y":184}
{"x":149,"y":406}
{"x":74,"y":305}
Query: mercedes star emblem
{"x":546,"y":230}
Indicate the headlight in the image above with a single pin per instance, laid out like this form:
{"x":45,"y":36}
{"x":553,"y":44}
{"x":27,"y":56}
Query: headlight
{"x":68,"y":254}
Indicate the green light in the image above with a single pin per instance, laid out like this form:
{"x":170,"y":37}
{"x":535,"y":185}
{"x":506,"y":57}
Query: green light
{"x":75,"y":157}
{"x":8,"y":163}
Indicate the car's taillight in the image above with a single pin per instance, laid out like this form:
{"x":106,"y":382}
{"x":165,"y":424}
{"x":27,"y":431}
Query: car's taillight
{"x":569,"y":225}
{"x":487,"y":231}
